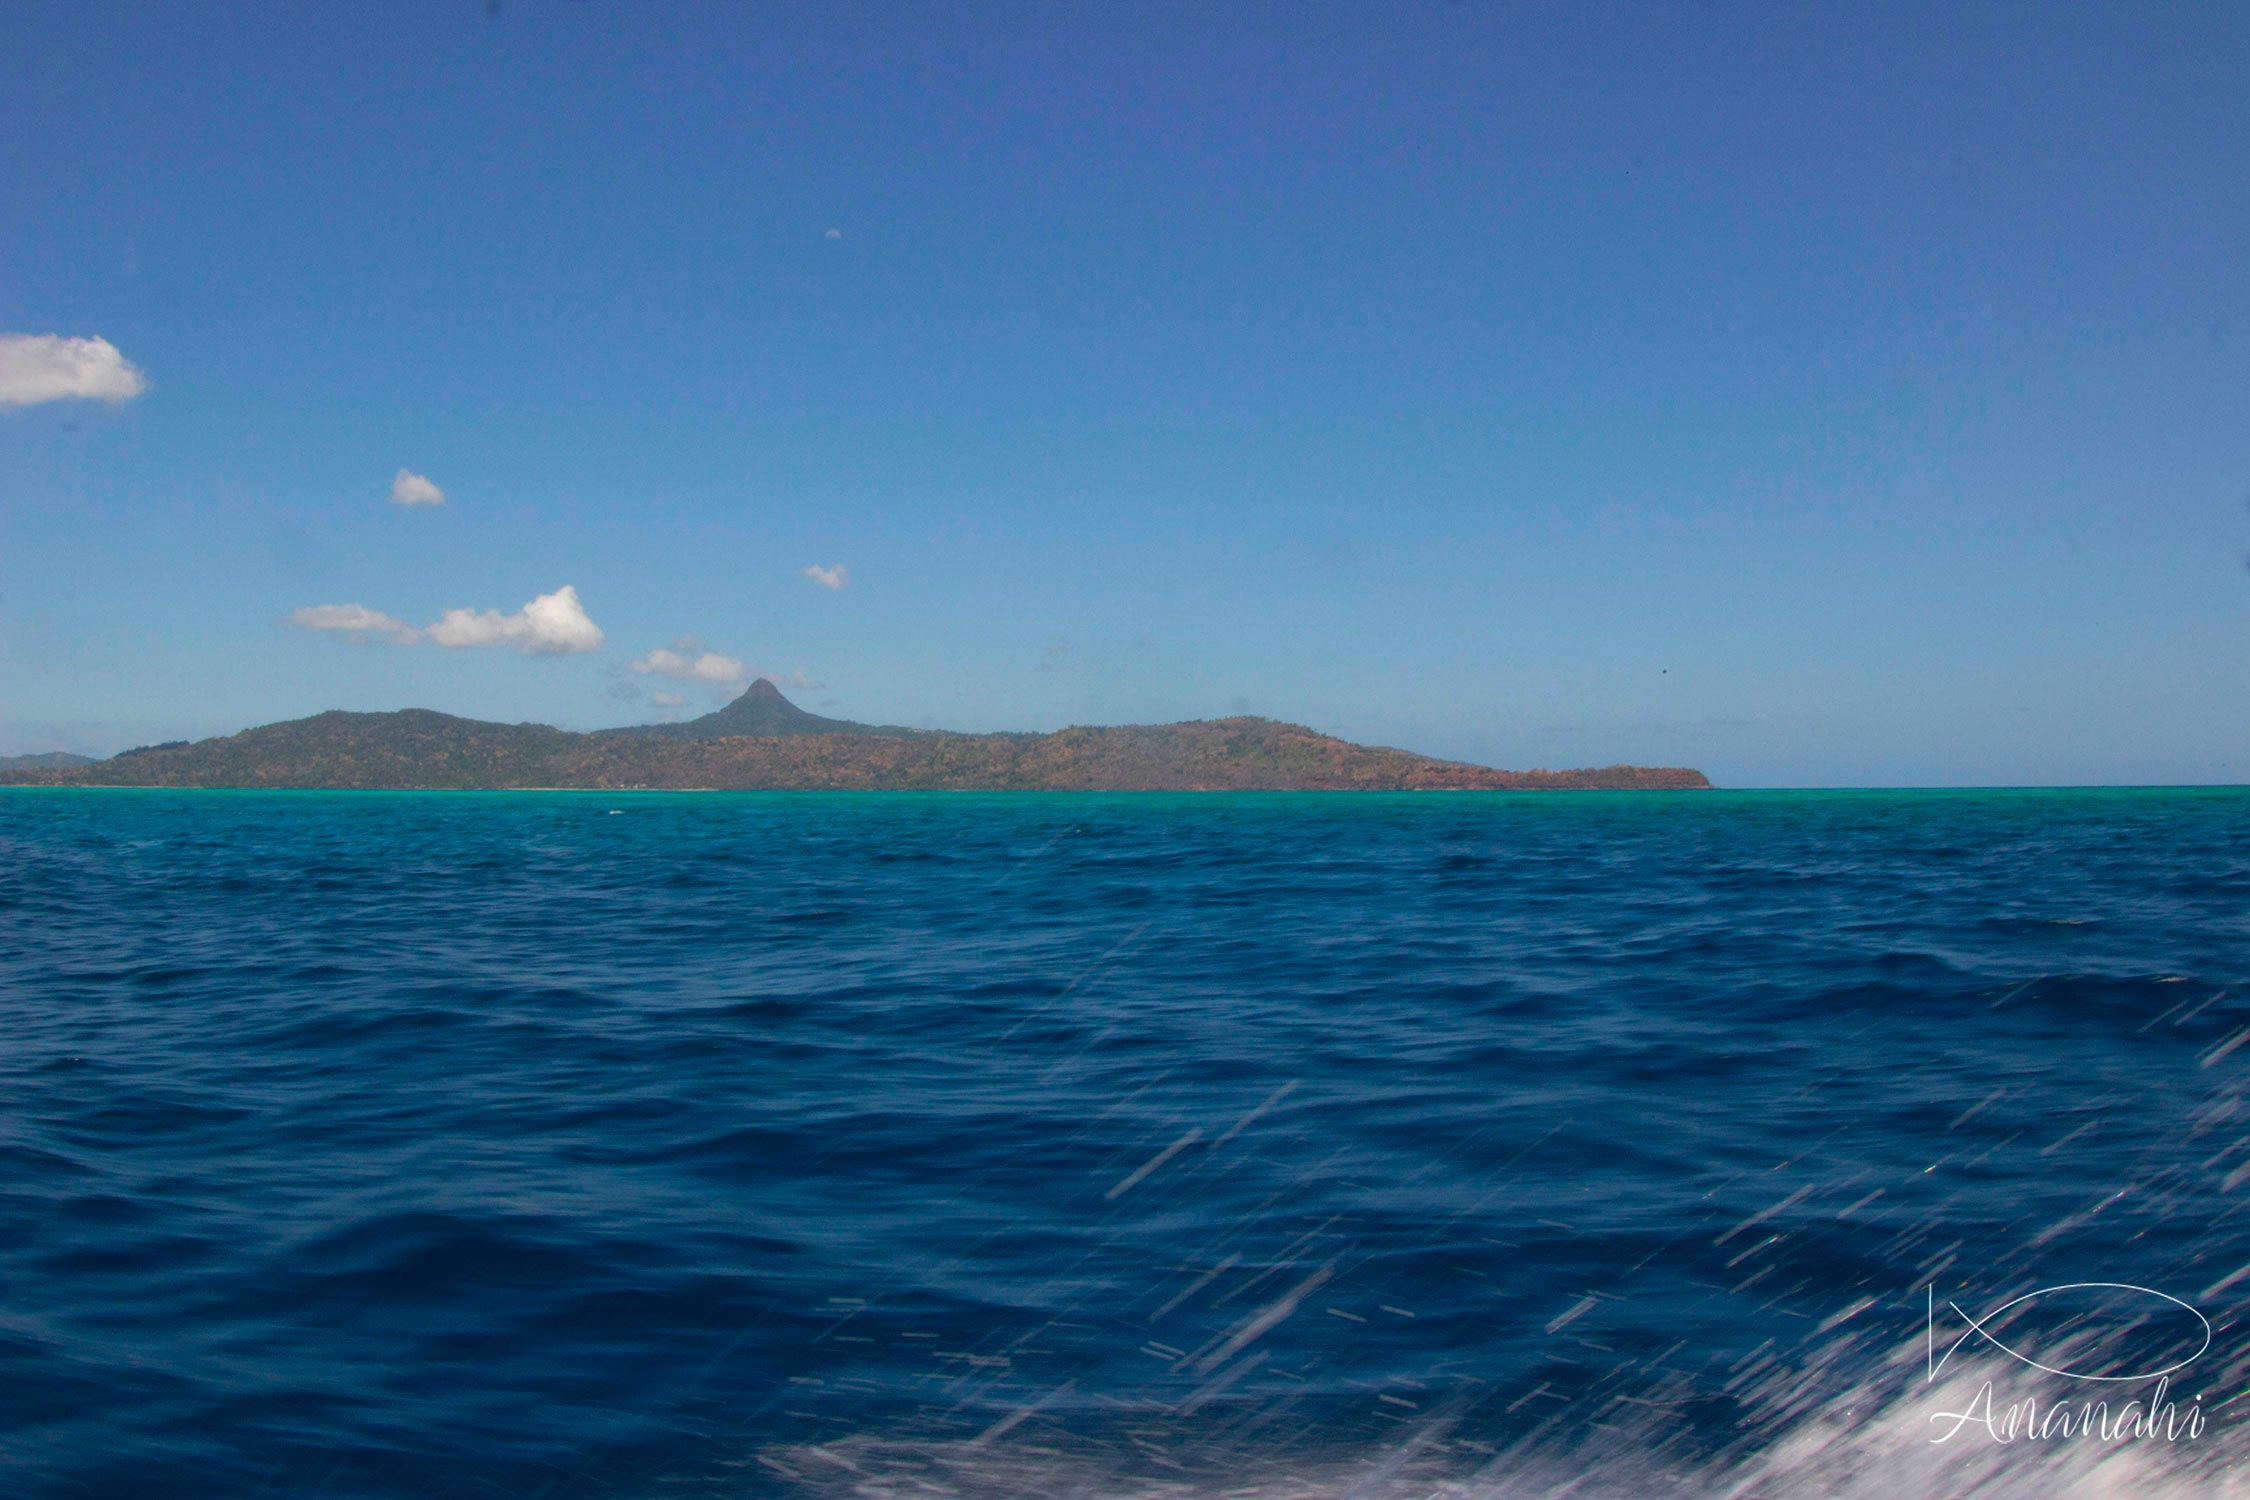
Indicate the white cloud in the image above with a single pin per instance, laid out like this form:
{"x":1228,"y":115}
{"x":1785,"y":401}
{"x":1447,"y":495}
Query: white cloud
{"x":835,"y":234}
{"x":833,"y":577}
{"x":355,"y":619}
{"x":681,"y":666}
{"x":411,"y":488}
{"x":667,"y":700}
{"x":550,"y":625}
{"x":36,"y":367}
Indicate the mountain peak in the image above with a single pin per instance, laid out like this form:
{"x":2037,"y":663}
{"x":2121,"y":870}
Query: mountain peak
{"x":759,"y":711}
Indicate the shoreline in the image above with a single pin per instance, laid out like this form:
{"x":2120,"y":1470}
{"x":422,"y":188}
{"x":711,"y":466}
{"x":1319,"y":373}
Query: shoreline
{"x":1072,"y":791}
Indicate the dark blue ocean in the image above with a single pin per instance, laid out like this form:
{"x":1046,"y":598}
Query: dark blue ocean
{"x":601,"y":1144}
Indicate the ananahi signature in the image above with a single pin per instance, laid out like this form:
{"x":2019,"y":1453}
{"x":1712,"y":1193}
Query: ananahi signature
{"x":1981,"y":1327}
{"x":2158,"y":1418}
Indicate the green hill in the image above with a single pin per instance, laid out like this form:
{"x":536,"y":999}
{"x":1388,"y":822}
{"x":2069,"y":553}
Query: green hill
{"x":761,"y":741}
{"x":50,"y":760}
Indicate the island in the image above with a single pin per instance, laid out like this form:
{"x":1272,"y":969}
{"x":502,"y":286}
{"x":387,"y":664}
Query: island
{"x":50,"y":760}
{"x":763,"y":742}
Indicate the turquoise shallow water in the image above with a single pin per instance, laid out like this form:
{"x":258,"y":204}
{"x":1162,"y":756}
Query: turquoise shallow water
{"x":388,"y":1144}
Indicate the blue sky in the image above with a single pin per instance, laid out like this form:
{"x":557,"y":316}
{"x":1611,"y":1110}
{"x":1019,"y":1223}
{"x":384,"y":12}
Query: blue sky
{"x":1806,"y":395}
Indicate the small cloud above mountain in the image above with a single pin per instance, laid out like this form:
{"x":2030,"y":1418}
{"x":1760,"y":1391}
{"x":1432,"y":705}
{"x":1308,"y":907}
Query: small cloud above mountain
{"x":685,"y":661}
{"x":37,"y":367}
{"x":550,"y":625}
{"x":410,"y":488}
{"x":356,"y":620}
{"x":835,"y":576}
{"x":553,"y":624}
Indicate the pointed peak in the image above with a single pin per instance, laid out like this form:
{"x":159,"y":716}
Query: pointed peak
{"x":760,"y":709}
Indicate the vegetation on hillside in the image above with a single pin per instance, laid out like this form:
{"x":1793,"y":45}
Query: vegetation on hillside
{"x":792,"y":750}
